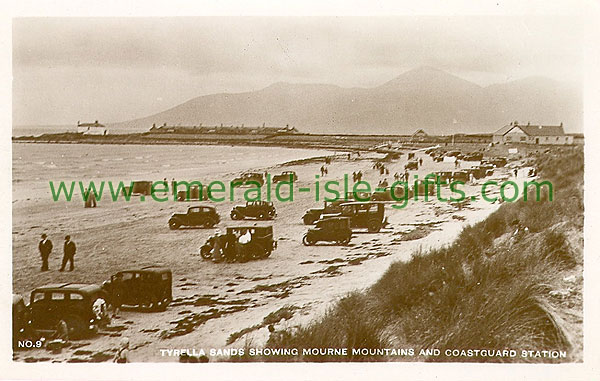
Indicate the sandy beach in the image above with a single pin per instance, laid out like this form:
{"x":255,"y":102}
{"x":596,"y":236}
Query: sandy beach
{"x":211,"y":300}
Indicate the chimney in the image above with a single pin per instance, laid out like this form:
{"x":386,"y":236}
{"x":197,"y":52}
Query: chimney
{"x":78,"y":122}
{"x":96,"y":122}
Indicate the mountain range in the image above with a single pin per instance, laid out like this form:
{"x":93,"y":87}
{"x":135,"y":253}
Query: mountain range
{"x":423,"y":98}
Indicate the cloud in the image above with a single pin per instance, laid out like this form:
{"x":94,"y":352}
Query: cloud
{"x":213,"y":54}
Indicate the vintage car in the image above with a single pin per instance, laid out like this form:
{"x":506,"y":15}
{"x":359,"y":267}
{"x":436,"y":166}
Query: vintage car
{"x":497,"y":161}
{"x":438,"y":158}
{"x":251,"y":178}
{"x":285,"y":176}
{"x":70,"y":302}
{"x":445,"y":177}
{"x":385,"y":194}
{"x":261,"y":210}
{"x":193,"y":194}
{"x":460,"y":176}
{"x":369,"y":215}
{"x":487,"y":168}
{"x":413,"y":164}
{"x":473,"y":156}
{"x":149,"y":287}
{"x":421,"y":187}
{"x":20,"y":317}
{"x":202,"y":215}
{"x":453,"y":153}
{"x":334,"y":229}
{"x":313,"y":214}
{"x":259,"y":245}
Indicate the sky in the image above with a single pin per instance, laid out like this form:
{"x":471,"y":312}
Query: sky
{"x":116,"y":69}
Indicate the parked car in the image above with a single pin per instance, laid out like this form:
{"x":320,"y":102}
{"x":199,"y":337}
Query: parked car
{"x":413,"y":164}
{"x":498,"y":161}
{"x":445,"y":177}
{"x":313,"y":214}
{"x":285,"y":176}
{"x":70,"y":302}
{"x":369,"y":215}
{"x":438,"y":158}
{"x":460,"y":176}
{"x":260,"y":245}
{"x":335,"y":229}
{"x":20,"y":318}
{"x":193,"y":194}
{"x":473,"y":156}
{"x":386,"y":194}
{"x":453,"y":153}
{"x":202,"y":215}
{"x":147,"y":287}
{"x":488,"y":168}
{"x":420,"y":188}
{"x":262,"y":210}
{"x":251,"y":178}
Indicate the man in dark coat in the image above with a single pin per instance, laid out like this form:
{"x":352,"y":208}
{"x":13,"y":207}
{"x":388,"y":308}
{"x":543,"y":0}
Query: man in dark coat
{"x":69,"y":253}
{"x":45,"y":247}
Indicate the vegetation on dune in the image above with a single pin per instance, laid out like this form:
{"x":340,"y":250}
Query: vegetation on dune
{"x":512,"y":281}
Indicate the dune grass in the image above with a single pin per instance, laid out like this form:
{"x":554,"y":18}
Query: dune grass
{"x":490,"y":289}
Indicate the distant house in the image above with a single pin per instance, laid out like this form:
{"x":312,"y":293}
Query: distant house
{"x":532,"y":134}
{"x":420,"y":134}
{"x":91,"y":128}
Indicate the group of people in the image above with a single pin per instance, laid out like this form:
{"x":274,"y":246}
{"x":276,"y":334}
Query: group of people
{"x":324,"y":170}
{"x":357,"y":176}
{"x":69,"y":249}
{"x":229,"y":247}
{"x":89,"y":199}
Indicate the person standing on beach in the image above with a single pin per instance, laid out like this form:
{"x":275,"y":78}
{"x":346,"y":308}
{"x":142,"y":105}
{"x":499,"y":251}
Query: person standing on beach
{"x":69,"y":254}
{"x":45,"y":248}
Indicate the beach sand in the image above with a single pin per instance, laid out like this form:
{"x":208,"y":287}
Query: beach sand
{"x":211,"y":301}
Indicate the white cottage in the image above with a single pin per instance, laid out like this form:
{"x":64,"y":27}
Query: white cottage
{"x":532,"y":134}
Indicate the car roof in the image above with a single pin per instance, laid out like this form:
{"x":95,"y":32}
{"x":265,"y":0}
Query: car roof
{"x":148,"y":269}
{"x":202,"y":206}
{"x":81,"y":287}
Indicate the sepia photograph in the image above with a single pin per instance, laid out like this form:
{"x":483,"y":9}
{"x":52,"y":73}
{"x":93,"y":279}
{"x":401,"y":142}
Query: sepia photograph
{"x":297,"y":189}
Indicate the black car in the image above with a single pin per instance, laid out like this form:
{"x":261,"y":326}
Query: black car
{"x":261,"y":210}
{"x":259,"y":245}
{"x":286,"y":176}
{"x":313,"y":214}
{"x":148,"y":287}
{"x":369,"y":215}
{"x":251,"y":178}
{"x":413,"y":164}
{"x":70,"y":302}
{"x":335,"y":229}
{"x":205,"y":216}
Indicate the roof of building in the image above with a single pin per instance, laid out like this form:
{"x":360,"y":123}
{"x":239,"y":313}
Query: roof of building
{"x":419,"y":132}
{"x":533,"y":130}
{"x":95,"y":124}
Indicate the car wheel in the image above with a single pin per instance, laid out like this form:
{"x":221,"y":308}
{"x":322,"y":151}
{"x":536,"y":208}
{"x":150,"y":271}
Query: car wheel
{"x":262,"y":216}
{"x":205,"y":252}
{"x":208,"y":224}
{"x":76,"y":327}
{"x":235,"y":215}
{"x":307,"y":241}
{"x":346,"y":240}
{"x":373,"y":226}
{"x":174,"y":224}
